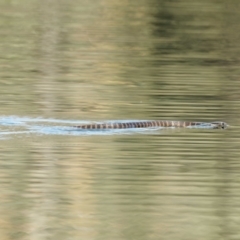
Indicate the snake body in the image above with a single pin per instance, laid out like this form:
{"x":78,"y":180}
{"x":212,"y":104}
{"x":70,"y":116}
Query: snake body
{"x":153,"y":123}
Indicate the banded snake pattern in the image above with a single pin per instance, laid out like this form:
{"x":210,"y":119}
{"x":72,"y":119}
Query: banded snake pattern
{"x":152,"y":123}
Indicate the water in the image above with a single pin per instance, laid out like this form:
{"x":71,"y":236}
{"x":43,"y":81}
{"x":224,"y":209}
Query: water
{"x":65,"y":63}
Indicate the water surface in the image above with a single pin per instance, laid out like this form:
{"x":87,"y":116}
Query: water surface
{"x":69,"y":62}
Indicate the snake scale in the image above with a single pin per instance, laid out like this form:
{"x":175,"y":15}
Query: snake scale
{"x":153,"y":123}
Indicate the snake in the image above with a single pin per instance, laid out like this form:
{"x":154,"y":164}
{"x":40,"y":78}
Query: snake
{"x":152,"y":124}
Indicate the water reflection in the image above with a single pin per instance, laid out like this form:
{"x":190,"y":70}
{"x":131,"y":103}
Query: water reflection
{"x":102,"y":60}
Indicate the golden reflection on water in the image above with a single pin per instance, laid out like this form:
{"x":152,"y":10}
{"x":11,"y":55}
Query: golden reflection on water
{"x":113,"y":60}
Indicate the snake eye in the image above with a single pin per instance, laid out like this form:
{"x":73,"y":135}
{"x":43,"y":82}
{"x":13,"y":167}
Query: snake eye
{"x":223,"y":125}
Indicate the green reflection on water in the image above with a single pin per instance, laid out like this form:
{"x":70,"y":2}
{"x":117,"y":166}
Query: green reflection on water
{"x":106,"y":60}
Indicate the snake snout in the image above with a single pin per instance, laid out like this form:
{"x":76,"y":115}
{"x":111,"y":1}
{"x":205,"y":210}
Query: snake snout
{"x":220,"y":125}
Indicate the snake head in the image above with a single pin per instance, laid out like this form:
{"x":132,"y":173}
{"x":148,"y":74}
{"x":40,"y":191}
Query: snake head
{"x":220,"y":125}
